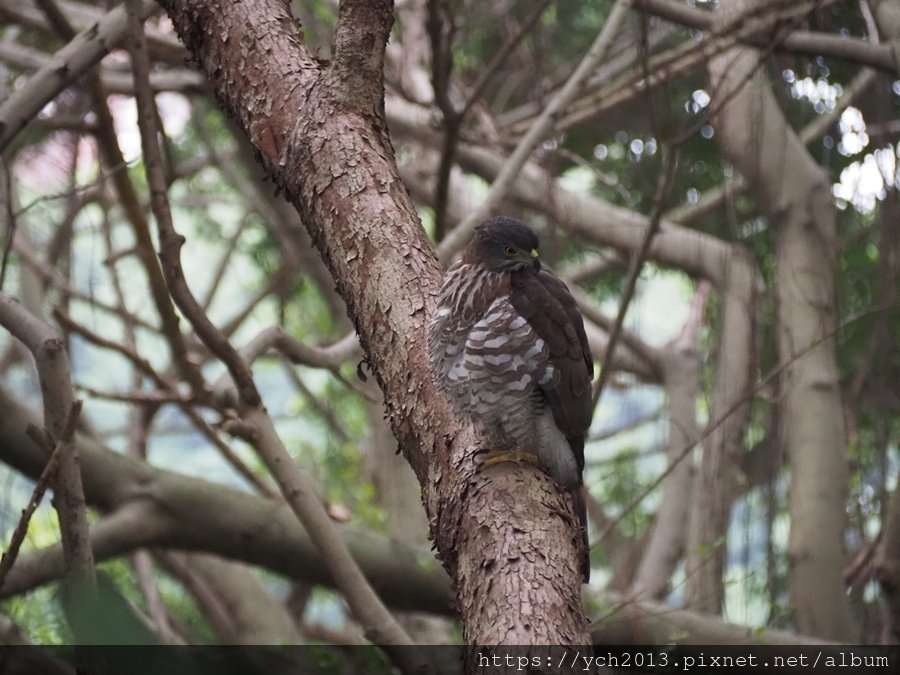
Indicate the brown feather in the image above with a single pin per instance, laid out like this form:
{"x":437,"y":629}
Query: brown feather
{"x":545,"y":302}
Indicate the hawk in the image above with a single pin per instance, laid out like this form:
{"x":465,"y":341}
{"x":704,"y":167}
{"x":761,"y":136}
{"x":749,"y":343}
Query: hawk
{"x":507,"y":343}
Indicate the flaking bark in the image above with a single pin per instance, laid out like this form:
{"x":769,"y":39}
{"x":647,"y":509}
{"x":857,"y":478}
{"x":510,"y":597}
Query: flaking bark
{"x":329,"y":150}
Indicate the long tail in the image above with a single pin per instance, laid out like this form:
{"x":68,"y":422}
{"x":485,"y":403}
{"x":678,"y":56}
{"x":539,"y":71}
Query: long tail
{"x":578,"y":501}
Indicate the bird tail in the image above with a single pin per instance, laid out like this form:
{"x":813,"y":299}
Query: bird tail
{"x":580,"y":504}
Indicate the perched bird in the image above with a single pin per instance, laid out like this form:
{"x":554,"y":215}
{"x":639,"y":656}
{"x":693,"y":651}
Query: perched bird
{"x":507,"y":343}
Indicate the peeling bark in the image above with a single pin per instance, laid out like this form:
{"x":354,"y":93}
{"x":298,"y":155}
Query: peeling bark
{"x":326,"y":145}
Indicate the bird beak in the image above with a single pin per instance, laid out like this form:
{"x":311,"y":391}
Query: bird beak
{"x":536,"y":260}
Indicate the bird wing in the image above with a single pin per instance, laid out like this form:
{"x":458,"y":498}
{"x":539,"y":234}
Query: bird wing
{"x":546,"y":304}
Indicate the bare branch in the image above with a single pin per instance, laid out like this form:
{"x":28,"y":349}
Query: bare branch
{"x":168,"y":394}
{"x":52,"y":362}
{"x":114,"y":81}
{"x":637,"y":263}
{"x":163,"y":45}
{"x":47,"y":476}
{"x":242,"y":610}
{"x":275,"y":337}
{"x":69,"y":63}
{"x":538,"y":131}
{"x":170,"y":241}
{"x":150,"y":507}
{"x":798,"y":41}
{"x":630,"y":622}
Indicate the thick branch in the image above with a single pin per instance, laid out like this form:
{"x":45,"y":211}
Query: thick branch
{"x":591,"y":217}
{"x":355,"y":77}
{"x":732,"y":393}
{"x":337,"y":167}
{"x":154,"y":507}
{"x":681,"y":379}
{"x":654,"y":623}
{"x":242,"y":610}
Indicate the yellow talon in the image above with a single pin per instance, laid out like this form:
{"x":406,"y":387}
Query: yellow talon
{"x":517,"y":456}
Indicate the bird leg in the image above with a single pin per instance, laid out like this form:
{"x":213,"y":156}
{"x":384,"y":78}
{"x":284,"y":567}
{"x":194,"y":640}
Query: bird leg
{"x":515,"y":455}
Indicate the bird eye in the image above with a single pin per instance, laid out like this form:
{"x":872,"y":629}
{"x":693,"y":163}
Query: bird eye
{"x":509,"y":250}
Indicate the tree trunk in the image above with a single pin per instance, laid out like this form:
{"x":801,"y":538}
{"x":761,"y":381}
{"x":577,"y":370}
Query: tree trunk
{"x":400,"y":497}
{"x":796,"y":194}
{"x":887,"y":568}
{"x":681,"y":379}
{"x":730,"y":405}
{"x":321,"y":133}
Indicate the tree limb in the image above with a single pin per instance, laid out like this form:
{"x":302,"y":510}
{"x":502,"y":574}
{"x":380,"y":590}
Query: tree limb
{"x":297,"y":487}
{"x":152,"y":507}
{"x":537,"y":132}
{"x":69,"y":63}
{"x":60,"y":413}
{"x":336,"y":165}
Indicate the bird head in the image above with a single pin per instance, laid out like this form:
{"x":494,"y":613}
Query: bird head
{"x":504,"y":244}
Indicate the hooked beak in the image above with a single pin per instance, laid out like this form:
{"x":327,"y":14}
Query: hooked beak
{"x":535,"y":260}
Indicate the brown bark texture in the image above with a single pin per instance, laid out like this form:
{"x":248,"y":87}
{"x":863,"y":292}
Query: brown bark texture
{"x":320,"y":132}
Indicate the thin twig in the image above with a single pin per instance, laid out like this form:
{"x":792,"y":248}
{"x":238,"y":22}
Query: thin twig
{"x":538,"y":131}
{"x":453,"y":118}
{"x":782,"y":29}
{"x":854,"y":49}
{"x":142,"y":364}
{"x":591,"y":311}
{"x":711,"y":199}
{"x":170,"y":242}
{"x":637,"y":263}
{"x":170,"y":394}
{"x":502,"y":54}
{"x":680,"y":60}
{"x":715,"y":424}
{"x":52,"y":363}
{"x":255,"y":424}
{"x":46,"y":477}
{"x":11,"y":221}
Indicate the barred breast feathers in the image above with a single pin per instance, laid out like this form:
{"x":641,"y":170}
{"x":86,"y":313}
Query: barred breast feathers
{"x":484,"y":353}
{"x":465,"y":297}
